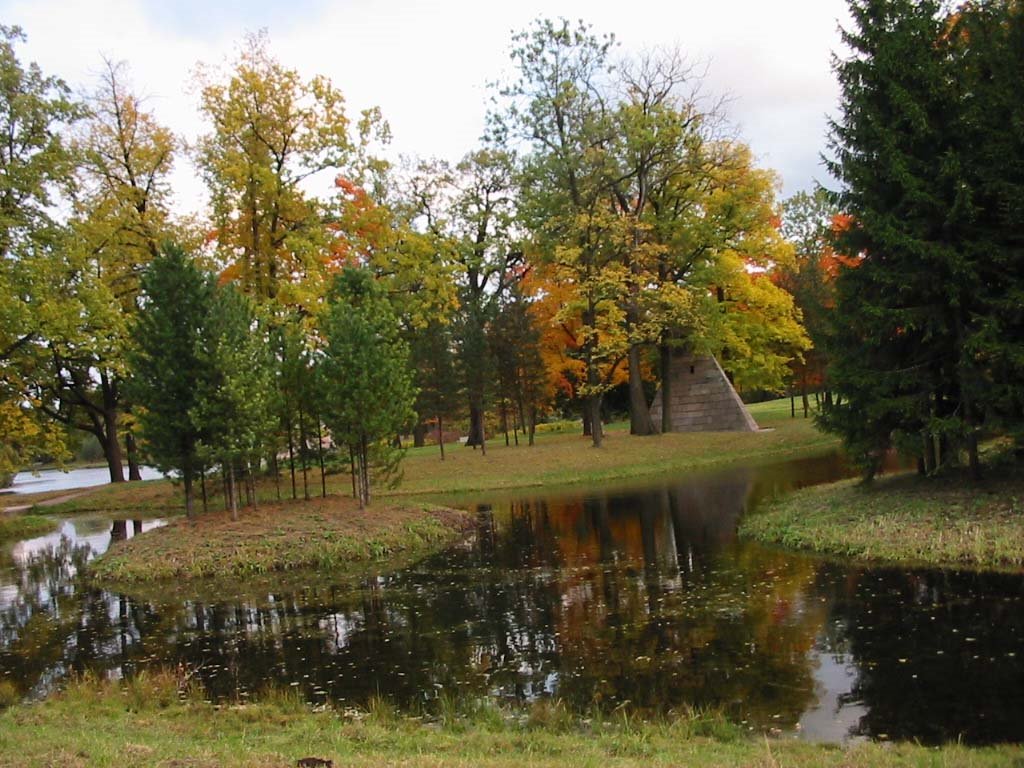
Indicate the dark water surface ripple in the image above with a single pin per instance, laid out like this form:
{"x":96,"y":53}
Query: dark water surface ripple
{"x":642,"y":598}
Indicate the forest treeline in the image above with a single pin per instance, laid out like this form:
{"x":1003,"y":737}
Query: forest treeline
{"x":608,"y":218}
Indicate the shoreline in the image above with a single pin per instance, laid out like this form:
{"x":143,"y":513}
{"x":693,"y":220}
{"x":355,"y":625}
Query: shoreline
{"x":903,"y":519}
{"x":322,"y":533}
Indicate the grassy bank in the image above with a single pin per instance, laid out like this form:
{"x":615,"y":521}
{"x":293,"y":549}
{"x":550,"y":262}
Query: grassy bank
{"x":558,"y":459}
{"x":146,"y":724}
{"x":323,"y":533}
{"x":24,"y":526}
{"x":904,"y":518}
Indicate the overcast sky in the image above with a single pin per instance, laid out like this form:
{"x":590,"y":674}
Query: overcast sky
{"x":427,"y":64}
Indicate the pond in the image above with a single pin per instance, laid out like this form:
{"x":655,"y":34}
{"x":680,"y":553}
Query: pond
{"x":638,"y":598}
{"x":47,"y":480}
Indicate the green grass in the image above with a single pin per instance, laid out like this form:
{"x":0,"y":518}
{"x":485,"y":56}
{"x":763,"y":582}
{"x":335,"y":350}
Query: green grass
{"x":947,"y":521}
{"x":25,"y":526}
{"x":154,"y":720}
{"x":322,"y":533}
{"x":559,"y":458}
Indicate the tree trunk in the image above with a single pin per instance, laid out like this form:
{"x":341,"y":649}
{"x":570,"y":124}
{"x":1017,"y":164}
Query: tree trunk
{"x":476,"y":425}
{"x":419,"y":435}
{"x":111,"y":447}
{"x":504,"y":421}
{"x":665,"y":362}
{"x":366,"y":472}
{"x":303,"y":453}
{"x":596,"y":432}
{"x":187,"y":478}
{"x":244,"y":470}
{"x":291,"y":453}
{"x":202,"y":483}
{"x":929,"y":453}
{"x":639,"y":414}
{"x":352,"y":470}
{"x":252,"y":485}
{"x":533,"y":423}
{"x":320,"y":454}
{"x":134,"y":471}
{"x":232,"y":496}
{"x":440,"y":435}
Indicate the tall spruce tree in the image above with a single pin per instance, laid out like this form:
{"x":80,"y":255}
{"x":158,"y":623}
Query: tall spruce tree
{"x":990,"y":45}
{"x":166,"y":363}
{"x":900,"y":364}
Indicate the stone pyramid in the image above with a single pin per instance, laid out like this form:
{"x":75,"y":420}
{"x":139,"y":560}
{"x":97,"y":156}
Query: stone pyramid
{"x":703,"y":398}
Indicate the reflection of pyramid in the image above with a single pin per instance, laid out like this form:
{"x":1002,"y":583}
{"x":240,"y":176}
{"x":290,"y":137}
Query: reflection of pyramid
{"x":703,"y":399}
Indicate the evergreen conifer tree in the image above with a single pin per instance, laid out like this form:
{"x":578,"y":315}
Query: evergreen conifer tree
{"x":166,"y":363}
{"x":365,"y":379}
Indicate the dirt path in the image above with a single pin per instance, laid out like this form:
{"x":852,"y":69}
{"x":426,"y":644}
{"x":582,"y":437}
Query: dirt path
{"x":45,"y":502}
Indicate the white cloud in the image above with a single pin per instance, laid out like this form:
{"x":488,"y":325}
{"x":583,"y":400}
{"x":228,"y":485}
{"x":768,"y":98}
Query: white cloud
{"x":427,"y":64}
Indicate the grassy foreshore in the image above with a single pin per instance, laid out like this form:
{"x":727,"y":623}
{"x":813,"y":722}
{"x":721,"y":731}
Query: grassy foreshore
{"x":24,"y":526}
{"x":146,"y":723}
{"x":322,"y":533}
{"x":947,"y":521}
{"x":556,"y":460}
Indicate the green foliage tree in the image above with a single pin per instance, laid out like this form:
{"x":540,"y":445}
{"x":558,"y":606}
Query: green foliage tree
{"x":808,"y":220}
{"x":557,"y":106}
{"x":36,"y":172}
{"x":167,"y":362}
{"x":235,"y":394}
{"x":470,"y":211}
{"x":364,"y":375}
{"x":84,"y":287}
{"x":522,"y":378}
{"x":432,"y":355}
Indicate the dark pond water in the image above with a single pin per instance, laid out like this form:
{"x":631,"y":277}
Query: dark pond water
{"x":640,"y":598}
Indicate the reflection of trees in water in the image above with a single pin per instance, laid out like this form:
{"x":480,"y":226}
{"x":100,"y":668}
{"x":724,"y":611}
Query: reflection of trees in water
{"x":41,"y":614}
{"x":939,"y":654}
{"x":639,"y":597}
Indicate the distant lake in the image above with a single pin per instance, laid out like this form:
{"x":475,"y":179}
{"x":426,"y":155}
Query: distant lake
{"x":57,"y":480}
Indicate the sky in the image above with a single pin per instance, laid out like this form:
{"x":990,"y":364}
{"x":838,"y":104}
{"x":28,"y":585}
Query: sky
{"x":427,"y":65}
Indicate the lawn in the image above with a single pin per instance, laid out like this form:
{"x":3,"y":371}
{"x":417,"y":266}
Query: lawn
{"x":557,"y":459}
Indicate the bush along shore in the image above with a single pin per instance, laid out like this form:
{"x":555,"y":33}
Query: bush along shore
{"x":321,"y":533}
{"x":947,"y":521}
{"x":154,"y":719}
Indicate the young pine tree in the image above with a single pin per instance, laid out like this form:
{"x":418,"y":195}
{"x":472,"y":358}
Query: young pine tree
{"x":234,"y":399}
{"x":364,"y":377}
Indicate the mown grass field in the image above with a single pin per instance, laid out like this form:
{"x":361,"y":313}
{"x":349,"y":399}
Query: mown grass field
{"x":557,"y":459}
{"x":145,"y":722}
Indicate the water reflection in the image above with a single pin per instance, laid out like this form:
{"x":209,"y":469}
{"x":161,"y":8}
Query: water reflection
{"x":638,"y":598}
